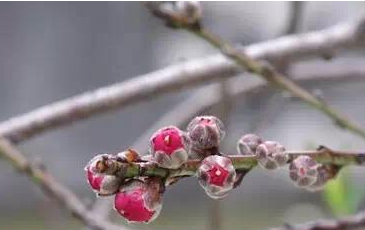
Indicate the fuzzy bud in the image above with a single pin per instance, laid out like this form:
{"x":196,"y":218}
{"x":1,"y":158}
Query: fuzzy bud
{"x":169,"y":147}
{"x":189,"y":11}
{"x":139,"y":201}
{"x":103,"y":185}
{"x":248,"y":143}
{"x":217,"y":176}
{"x":271,"y":155}
{"x":205,"y":132}
{"x":303,"y":171}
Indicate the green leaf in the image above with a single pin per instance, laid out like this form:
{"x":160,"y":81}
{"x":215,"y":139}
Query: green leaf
{"x":341,"y":194}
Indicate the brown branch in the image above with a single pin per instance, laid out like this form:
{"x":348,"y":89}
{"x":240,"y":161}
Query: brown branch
{"x":191,"y":73}
{"x":261,"y":69}
{"x":350,"y":222}
{"x":52,"y":187}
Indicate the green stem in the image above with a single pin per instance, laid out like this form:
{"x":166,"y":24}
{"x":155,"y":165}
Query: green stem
{"x":148,"y":169}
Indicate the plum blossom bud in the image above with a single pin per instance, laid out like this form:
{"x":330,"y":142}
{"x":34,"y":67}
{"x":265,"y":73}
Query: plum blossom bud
{"x":303,"y":171}
{"x":103,"y":185}
{"x":205,"y":132}
{"x":217,"y":176}
{"x":139,"y":201}
{"x":169,"y":147}
{"x":248,"y":143}
{"x":271,"y":155}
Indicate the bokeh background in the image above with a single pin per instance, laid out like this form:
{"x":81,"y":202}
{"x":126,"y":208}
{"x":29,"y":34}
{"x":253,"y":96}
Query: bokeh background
{"x":50,"y":51}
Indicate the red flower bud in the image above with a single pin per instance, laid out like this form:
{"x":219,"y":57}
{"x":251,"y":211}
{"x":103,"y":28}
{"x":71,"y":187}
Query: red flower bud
{"x":169,"y":147}
{"x":205,"y":132}
{"x":248,"y":143}
{"x":101,"y":184}
{"x":137,"y":201}
{"x":216,"y":175}
{"x":271,"y":155}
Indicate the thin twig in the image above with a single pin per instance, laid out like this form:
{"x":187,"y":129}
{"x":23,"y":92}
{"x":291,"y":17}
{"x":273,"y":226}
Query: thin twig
{"x":261,"y":69}
{"x":188,"y":74}
{"x":295,"y":17}
{"x":350,"y":222}
{"x":205,"y":98}
{"x":52,"y":187}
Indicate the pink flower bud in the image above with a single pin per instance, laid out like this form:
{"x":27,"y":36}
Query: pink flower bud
{"x":137,"y":201}
{"x":102,"y":184}
{"x":303,"y":171}
{"x":169,"y":147}
{"x":248,"y":143}
{"x":271,"y":155}
{"x":216,"y":175}
{"x":205,"y":132}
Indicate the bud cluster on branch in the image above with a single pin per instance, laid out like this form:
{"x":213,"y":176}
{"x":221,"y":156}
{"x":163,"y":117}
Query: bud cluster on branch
{"x":138,"y":182}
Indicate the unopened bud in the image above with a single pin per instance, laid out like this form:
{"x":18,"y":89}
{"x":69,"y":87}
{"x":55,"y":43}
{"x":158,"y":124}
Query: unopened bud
{"x":271,"y":155}
{"x":217,"y":176}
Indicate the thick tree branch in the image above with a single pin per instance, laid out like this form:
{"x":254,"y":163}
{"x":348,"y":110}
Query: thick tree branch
{"x":52,"y":187}
{"x":191,"y":73}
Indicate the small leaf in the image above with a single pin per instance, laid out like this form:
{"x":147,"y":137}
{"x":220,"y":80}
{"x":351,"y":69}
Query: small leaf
{"x":342,"y":195}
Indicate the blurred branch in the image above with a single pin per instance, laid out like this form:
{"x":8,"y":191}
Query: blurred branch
{"x":205,"y":98}
{"x":52,"y":187}
{"x":191,"y":73}
{"x":200,"y":101}
{"x":295,"y":16}
{"x":350,"y":222}
{"x":181,"y":114}
{"x":223,"y":110}
{"x":263,"y":70}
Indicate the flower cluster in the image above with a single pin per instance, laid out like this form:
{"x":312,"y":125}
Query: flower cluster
{"x":138,"y":198}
